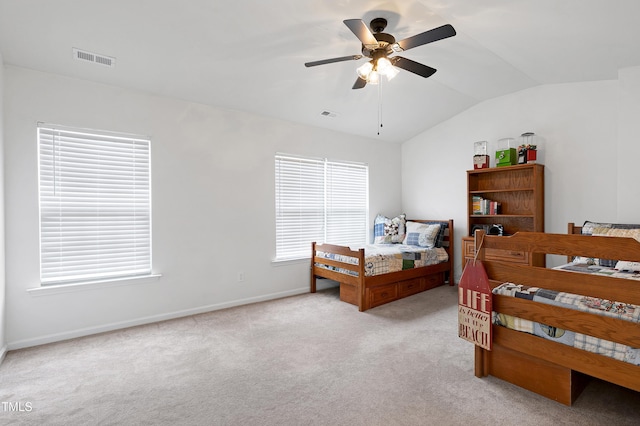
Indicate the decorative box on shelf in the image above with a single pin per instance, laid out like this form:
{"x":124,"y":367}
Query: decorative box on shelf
{"x":506,"y":155}
{"x":480,"y":156}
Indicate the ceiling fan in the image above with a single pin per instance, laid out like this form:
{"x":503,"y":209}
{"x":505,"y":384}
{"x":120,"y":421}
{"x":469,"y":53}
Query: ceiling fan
{"x":379,"y":46}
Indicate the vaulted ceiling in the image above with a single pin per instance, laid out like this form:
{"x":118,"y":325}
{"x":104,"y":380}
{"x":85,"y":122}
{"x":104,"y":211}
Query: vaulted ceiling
{"x":249,"y":55}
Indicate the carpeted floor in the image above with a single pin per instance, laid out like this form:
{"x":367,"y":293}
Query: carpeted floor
{"x":303,"y":360}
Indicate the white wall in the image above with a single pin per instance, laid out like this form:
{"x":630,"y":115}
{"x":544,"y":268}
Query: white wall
{"x":589,"y":170}
{"x":213,"y":204}
{"x":629,"y":145}
{"x":3,"y":341}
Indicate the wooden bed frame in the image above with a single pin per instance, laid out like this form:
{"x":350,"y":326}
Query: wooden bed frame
{"x":549,"y":368}
{"x":367,"y":292}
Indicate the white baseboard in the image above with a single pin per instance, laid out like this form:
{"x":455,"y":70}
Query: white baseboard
{"x":3,"y":353}
{"x":72,"y":334}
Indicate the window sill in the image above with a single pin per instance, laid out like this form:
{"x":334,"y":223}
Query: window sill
{"x":91,"y":285}
{"x":285,"y":262}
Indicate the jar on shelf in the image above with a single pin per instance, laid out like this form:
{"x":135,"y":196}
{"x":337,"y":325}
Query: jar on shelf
{"x":480,"y":156}
{"x":528,"y":145}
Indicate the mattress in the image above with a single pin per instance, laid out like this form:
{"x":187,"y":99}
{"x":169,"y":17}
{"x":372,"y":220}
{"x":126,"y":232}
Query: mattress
{"x":386,"y":258}
{"x":624,"y":311}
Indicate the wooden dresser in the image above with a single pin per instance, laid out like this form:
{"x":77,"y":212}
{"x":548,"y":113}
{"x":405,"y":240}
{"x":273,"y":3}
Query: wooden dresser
{"x":518,"y":193}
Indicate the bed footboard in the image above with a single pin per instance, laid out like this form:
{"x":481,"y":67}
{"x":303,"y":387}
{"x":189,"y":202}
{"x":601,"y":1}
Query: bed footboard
{"x":335,"y":268}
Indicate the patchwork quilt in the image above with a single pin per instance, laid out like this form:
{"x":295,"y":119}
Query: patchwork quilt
{"x":385,"y":258}
{"x":598,"y":306}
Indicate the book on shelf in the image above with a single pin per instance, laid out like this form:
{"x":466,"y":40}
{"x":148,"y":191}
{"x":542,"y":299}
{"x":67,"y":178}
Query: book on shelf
{"x":483,"y":206}
{"x":477,"y":204}
{"x":494,"y":207}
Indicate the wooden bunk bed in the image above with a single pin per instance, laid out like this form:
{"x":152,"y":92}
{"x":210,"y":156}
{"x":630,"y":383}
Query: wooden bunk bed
{"x":367,"y":292}
{"x":547,"y":367}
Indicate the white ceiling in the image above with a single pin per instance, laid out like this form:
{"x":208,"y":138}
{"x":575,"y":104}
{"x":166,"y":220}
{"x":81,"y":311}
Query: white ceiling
{"x":249,"y":54}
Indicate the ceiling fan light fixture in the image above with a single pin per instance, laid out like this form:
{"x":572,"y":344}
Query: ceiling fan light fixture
{"x":364,"y":70}
{"x":371,"y":71}
{"x":374,"y":77}
{"x":385,"y":68}
{"x":383,"y":65}
{"x":391,"y":72}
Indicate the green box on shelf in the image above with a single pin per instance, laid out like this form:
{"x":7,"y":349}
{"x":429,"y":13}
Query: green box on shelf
{"x":506,"y":157}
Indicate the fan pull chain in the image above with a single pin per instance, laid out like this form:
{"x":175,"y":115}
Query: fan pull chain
{"x":379,"y":106}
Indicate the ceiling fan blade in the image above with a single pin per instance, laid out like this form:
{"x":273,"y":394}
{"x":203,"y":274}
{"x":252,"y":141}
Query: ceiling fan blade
{"x":332,"y":60}
{"x":360,"y":83}
{"x":430,"y":36}
{"x":412,"y":66}
{"x":364,"y":34}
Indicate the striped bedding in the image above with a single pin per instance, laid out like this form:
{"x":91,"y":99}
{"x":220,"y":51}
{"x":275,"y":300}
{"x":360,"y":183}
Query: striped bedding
{"x":598,"y":306}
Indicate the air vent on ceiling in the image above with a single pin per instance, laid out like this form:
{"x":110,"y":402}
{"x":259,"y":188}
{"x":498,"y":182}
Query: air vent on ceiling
{"x":326,"y":113}
{"x":83,"y":55}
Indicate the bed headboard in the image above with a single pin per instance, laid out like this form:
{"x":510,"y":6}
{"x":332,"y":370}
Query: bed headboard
{"x":588,"y":227}
{"x":603,"y":228}
{"x":574,"y":229}
{"x":447,"y":240}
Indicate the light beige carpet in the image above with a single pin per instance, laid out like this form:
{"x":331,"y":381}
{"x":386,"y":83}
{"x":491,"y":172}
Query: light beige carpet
{"x":303,"y":360}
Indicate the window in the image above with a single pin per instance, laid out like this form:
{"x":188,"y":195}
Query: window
{"x":319,"y":200}
{"x":95,"y":205}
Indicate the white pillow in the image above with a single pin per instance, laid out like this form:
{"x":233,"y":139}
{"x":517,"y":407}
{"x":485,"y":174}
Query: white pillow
{"x":624,"y":265}
{"x":421,"y":234}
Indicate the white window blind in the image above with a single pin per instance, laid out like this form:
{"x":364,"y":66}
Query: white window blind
{"x":95,"y":205}
{"x":319,"y":200}
{"x":346,"y":203}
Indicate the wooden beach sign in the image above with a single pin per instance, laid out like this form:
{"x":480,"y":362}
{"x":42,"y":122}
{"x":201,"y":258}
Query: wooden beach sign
{"x":474,"y":305}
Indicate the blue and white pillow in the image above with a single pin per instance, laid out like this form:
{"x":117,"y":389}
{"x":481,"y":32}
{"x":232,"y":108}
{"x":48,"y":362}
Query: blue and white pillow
{"x":422,"y":234}
{"x":389,"y":230}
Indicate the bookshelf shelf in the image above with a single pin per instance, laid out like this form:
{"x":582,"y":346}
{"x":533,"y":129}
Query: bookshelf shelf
{"x":487,"y":191}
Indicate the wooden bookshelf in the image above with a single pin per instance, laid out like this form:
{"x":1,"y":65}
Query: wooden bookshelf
{"x":520,"y":192}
